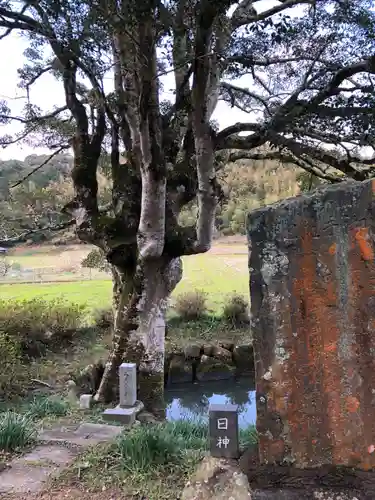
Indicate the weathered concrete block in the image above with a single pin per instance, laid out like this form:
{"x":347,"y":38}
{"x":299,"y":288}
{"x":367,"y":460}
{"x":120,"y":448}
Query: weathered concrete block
{"x":85,"y":401}
{"x":312,"y":282}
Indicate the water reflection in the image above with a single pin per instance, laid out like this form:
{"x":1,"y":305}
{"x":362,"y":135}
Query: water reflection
{"x":192,"y":401}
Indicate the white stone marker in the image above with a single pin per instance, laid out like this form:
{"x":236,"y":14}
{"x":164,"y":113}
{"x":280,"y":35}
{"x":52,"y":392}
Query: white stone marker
{"x":128,"y":384}
{"x":129,"y":407}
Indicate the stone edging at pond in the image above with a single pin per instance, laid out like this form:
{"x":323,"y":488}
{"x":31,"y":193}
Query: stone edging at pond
{"x":194,"y":363}
{"x":205,"y":362}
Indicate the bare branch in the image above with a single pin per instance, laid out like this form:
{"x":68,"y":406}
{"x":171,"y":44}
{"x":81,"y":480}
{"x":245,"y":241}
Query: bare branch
{"x":55,"y":153}
{"x":22,"y":238}
{"x":34,"y":119}
{"x":233,"y":89}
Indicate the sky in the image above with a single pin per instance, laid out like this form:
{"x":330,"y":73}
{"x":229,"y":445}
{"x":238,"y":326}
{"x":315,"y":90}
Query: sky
{"x":48,"y":92}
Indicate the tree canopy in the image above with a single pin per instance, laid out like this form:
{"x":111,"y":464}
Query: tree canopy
{"x":301,"y":69}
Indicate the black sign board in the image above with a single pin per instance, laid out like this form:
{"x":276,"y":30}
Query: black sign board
{"x":223,"y":425}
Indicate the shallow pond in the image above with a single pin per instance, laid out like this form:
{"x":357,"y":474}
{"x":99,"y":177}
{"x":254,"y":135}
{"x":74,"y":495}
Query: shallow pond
{"x":192,"y":400}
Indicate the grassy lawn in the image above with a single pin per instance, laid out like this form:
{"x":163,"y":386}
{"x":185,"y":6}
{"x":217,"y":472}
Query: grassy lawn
{"x":216,"y":274}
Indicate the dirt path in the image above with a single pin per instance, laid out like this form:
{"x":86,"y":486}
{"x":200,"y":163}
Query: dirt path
{"x":72,"y":492}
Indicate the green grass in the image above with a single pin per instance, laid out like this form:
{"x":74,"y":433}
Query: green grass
{"x":16,"y":431}
{"x":217,"y":275}
{"x":154,"y":461}
{"x":47,"y":407}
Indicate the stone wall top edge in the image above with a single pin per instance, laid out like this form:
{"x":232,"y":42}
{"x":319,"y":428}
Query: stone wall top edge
{"x":303,"y":203}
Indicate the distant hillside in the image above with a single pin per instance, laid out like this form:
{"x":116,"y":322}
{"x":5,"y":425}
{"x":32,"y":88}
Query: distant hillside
{"x":248,"y":185}
{"x":13,"y":170}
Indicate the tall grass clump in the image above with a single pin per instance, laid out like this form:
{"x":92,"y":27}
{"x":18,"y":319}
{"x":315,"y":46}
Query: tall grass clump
{"x":47,"y":406}
{"x":37,"y":324}
{"x":148,"y":448}
{"x":16,"y":431}
{"x":191,"y":305}
{"x":13,"y":374}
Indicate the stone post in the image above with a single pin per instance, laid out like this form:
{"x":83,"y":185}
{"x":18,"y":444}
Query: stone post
{"x":312,"y":282}
{"x":129,"y":407}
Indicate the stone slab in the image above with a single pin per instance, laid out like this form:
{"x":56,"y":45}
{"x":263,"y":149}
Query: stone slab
{"x":22,"y":478}
{"x":312,"y":283}
{"x":85,"y":435}
{"x":48,"y":455}
{"x":126,"y":416}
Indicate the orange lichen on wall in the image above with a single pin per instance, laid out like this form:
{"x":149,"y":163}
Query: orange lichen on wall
{"x":314,"y":318}
{"x":362,"y":238}
{"x":332,"y":249}
{"x":352,"y":404}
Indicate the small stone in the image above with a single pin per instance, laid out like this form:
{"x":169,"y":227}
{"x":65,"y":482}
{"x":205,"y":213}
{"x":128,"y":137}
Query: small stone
{"x":215,"y":480}
{"x":192,"y":351}
{"x":213,"y":369}
{"x":146,"y":417}
{"x":72,"y":394}
{"x":207,"y":350}
{"x":85,"y":401}
{"x":222,"y":354}
{"x":267,"y":376}
{"x":180,"y":370}
{"x":229,"y":346}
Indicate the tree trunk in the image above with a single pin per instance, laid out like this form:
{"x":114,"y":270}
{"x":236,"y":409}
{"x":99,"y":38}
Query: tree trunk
{"x":139,"y":330}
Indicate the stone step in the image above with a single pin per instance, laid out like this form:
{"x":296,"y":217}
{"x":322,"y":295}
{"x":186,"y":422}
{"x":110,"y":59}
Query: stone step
{"x":56,"y":450}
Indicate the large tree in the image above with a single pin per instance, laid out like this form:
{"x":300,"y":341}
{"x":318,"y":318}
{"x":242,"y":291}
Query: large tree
{"x":302,"y":69}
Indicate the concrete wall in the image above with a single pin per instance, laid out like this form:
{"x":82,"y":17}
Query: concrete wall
{"x":312,"y":282}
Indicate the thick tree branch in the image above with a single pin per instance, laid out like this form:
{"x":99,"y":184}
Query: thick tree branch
{"x":246,"y":14}
{"x":302,"y":150}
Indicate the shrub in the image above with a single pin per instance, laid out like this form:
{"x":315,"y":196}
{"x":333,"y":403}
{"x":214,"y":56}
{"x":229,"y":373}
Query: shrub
{"x":96,"y":260}
{"x":236,"y":310}
{"x":13,"y":374}
{"x":248,"y":436}
{"x":37,"y":324}
{"x":16,"y":431}
{"x":191,"y":305}
{"x":103,"y":318}
{"x":47,"y":406}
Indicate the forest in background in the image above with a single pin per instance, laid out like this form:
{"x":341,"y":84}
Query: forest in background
{"x":37,"y":201}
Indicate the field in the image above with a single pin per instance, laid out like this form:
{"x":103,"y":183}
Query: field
{"x":220,"y":272}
